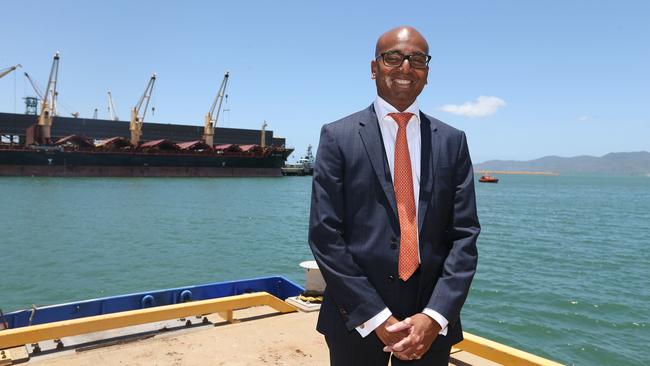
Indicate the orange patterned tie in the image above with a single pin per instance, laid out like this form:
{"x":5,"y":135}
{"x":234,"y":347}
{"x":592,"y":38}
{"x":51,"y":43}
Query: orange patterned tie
{"x":403,"y":185}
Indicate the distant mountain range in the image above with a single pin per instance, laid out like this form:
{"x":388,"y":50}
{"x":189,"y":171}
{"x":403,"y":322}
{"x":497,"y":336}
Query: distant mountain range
{"x":628,"y":163}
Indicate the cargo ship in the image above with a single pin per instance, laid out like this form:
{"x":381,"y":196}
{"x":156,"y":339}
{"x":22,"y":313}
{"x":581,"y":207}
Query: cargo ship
{"x":79,"y":147}
{"x":47,"y":144}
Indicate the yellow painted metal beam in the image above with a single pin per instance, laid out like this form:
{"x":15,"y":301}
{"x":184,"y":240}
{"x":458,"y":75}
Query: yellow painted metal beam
{"x":500,"y":353}
{"x":66,"y":328}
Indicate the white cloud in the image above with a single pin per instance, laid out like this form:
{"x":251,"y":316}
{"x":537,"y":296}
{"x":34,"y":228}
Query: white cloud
{"x":483,"y":107}
{"x":583,"y":118}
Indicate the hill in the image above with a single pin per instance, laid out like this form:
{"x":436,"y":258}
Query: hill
{"x":628,"y":163}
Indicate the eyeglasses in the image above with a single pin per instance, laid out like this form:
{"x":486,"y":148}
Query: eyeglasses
{"x":396,"y":59}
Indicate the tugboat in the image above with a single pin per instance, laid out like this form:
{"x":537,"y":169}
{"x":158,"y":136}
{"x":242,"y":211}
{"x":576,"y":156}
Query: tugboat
{"x":487,"y":178}
{"x":304,"y":165}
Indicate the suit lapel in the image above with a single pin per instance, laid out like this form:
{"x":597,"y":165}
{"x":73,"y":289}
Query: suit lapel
{"x":430,"y":147}
{"x":372,"y":141}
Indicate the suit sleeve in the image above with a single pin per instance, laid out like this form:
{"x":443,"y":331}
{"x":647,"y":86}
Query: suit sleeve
{"x":347,"y":284}
{"x":453,"y":286}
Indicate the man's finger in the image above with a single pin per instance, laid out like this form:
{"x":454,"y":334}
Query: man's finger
{"x":400,"y":326}
{"x":417,"y":349}
{"x":390,"y":339}
{"x":402,"y":345}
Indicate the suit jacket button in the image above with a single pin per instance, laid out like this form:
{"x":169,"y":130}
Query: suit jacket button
{"x":391,"y":278}
{"x":344,"y":314}
{"x":393,"y":246}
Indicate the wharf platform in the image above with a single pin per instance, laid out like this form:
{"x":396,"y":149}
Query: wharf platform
{"x":255,"y":321}
{"x":258,"y":336}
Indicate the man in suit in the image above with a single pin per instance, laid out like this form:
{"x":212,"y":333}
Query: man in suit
{"x":393,"y":223}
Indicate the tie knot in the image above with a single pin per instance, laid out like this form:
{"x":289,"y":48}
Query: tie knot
{"x":402,"y":119}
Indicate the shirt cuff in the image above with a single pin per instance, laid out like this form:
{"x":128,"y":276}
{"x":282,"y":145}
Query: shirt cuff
{"x":439,"y":319}
{"x":372,"y":324}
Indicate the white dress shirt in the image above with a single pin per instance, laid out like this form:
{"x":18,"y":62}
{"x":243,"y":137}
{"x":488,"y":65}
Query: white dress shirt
{"x":388,"y":129}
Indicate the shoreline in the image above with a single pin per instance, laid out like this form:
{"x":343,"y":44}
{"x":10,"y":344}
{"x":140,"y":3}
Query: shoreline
{"x":512,"y":172}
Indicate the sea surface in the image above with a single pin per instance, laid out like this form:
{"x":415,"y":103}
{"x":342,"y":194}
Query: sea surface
{"x":564,"y":267}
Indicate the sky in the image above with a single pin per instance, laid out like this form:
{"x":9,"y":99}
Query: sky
{"x":523,"y":79}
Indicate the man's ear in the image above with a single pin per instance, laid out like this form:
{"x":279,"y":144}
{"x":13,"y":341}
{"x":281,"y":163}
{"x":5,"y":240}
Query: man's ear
{"x":373,"y":69}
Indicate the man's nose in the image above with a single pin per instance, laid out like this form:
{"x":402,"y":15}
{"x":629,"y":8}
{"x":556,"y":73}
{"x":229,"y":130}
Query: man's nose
{"x":406,"y":65}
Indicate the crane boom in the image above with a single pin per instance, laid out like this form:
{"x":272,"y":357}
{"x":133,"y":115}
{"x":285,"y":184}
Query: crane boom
{"x":210,"y":123}
{"x":136,"y":120}
{"x":38,"y":91}
{"x":111,"y":108}
{"x":263,"y":135}
{"x":6,"y":71}
{"x":48,"y":102}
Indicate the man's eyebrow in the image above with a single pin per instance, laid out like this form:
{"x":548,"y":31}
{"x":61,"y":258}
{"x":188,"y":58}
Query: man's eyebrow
{"x":400,"y":52}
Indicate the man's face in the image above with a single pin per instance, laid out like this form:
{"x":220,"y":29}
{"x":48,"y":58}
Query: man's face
{"x":400,"y":85}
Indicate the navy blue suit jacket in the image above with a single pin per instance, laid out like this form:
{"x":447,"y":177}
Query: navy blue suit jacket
{"x":354,"y":229}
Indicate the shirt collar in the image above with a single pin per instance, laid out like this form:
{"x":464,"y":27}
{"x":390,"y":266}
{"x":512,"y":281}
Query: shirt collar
{"x":382,"y":108}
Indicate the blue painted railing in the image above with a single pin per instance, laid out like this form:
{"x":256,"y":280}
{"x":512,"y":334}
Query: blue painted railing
{"x":277,"y":286}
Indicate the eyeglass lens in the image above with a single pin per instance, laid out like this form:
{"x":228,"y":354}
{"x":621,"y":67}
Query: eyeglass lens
{"x":417,"y":60}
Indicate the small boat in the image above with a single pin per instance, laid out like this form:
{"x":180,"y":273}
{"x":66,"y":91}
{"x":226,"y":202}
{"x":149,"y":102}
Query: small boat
{"x":304,"y":165}
{"x":487,"y":178}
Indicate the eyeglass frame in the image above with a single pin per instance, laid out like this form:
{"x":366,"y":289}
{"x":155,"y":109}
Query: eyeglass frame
{"x":404,"y":57}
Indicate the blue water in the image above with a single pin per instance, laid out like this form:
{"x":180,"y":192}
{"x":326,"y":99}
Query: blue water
{"x":563,"y":272}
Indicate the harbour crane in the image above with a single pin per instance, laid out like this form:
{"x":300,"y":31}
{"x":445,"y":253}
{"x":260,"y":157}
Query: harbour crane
{"x":136,"y":121}
{"x":6,"y":71}
{"x":112,"y":115}
{"x":210,"y":123}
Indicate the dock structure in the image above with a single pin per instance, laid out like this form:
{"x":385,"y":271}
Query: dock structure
{"x":254,"y":329}
{"x":257,"y":335}
{"x":245,"y":322}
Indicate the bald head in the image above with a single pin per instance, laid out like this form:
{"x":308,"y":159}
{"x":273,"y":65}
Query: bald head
{"x":399,"y":77}
{"x":403,"y":34}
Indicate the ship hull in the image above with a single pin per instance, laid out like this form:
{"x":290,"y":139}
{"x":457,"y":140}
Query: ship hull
{"x":62,"y":163}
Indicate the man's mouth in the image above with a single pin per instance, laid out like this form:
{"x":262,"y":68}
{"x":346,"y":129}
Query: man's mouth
{"x":403,"y":82}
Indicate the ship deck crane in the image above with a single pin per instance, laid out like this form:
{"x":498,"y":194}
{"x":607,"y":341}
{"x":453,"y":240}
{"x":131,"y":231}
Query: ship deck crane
{"x":38,"y":91}
{"x":263,"y":135}
{"x":112,"y":115}
{"x":136,"y":121}
{"x":6,"y":71}
{"x":48,"y":101}
{"x":210,"y":123}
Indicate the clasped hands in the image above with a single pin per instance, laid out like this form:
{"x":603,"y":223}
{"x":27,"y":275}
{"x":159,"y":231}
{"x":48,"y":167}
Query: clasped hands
{"x":410,"y":338}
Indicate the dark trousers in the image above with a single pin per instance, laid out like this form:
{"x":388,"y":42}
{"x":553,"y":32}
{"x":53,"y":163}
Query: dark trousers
{"x":369,"y":352}
{"x":350,"y":349}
